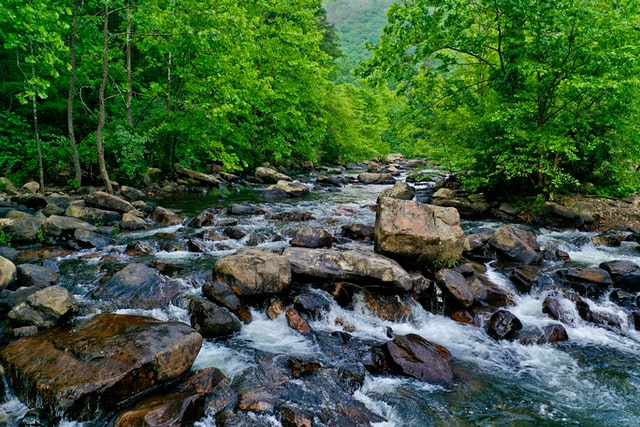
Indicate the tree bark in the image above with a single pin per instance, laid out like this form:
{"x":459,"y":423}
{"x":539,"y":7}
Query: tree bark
{"x":129,"y":71}
{"x":101,"y":100}
{"x":72,"y":94}
{"x":36,"y":128}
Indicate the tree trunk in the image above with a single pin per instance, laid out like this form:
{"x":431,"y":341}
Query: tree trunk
{"x":129,"y":71}
{"x":101,"y":99}
{"x":36,"y":128}
{"x":72,"y":93}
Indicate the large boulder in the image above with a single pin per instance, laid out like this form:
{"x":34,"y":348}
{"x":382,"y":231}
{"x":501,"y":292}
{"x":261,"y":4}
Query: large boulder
{"x":254,"y":272}
{"x":211,"y":320}
{"x":376,"y":178}
{"x":468,"y":205}
{"x":358,"y":267}
{"x":516,"y":244}
{"x":455,"y":285}
{"x":414,"y":356}
{"x":503,"y":325}
{"x":138,"y":286}
{"x":44,"y":308}
{"x":182,"y":407}
{"x":286,"y":190}
{"x":591,"y":282}
{"x":8,"y":272}
{"x":423,"y":236}
{"x":37,"y":276}
{"x":400,"y":190}
{"x":22,"y":230}
{"x":86,"y":370}
{"x":270,"y":176}
{"x":625,"y":274}
{"x":104,"y":200}
{"x":310,"y":237}
{"x":65,"y":226}
{"x":93,"y":215}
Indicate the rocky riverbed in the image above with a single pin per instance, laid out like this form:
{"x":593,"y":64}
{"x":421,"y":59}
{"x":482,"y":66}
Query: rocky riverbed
{"x":89,"y":279}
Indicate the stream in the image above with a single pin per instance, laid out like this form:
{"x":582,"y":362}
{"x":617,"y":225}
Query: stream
{"x":593,"y":379}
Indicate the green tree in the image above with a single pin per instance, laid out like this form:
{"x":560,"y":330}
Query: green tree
{"x":527,"y":93}
{"x":33,"y":30}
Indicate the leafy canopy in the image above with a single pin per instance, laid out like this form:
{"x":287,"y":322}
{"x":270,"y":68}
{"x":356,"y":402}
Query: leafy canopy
{"x":538,"y":95}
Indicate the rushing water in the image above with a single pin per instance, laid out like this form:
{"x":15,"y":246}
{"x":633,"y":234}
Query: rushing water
{"x":591,"y":380}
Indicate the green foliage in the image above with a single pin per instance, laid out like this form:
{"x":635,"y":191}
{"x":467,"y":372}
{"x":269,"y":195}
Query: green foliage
{"x":532,"y":96}
{"x":5,"y":239}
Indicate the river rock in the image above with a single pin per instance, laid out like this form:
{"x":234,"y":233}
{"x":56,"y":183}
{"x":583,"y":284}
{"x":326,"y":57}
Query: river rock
{"x":89,"y":239}
{"x":22,"y":230}
{"x":599,"y":317}
{"x":222,"y":294}
{"x":165,"y":217}
{"x":369,"y":178}
{"x":104,"y":200}
{"x":516,"y":244}
{"x":44,"y":308}
{"x":554,"y":307}
{"x":310,"y":237}
{"x":286,"y":190}
{"x":137,"y":286}
{"x":591,"y":282}
{"x":93,"y":215}
{"x":455,"y":285}
{"x":360,"y":267}
{"x":8,"y":273}
{"x":89,"y":369}
{"x":211,"y":320}
{"x":297,"y":322}
{"x":183,"y":407}
{"x":7,"y":185}
{"x":31,"y":187}
{"x":552,"y":334}
{"x":503,"y":325}
{"x":423,"y":236}
{"x":64,"y":226}
{"x":313,"y":303}
{"x":131,"y":221}
{"x":394,"y":308}
{"x":132,"y":194}
{"x":37,"y":276}
{"x":414,"y":356}
{"x":400,"y":190}
{"x":270,"y":176}
{"x":358,"y":232}
{"x":331,"y":181}
{"x":254,"y":271}
{"x":203,"y":219}
{"x":525,"y":277}
{"x":473,"y":205}
{"x":625,"y":274}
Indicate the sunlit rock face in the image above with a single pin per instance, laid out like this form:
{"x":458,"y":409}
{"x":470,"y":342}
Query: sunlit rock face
{"x":418,"y":235}
{"x":85,"y":370}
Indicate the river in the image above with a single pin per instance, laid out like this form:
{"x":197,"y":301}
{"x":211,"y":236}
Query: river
{"x":593,"y":379}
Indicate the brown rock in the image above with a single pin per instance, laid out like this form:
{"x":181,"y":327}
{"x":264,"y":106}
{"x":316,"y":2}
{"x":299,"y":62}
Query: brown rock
{"x":297,"y":322}
{"x":416,"y":357}
{"x":421,"y":235}
{"x":89,"y":369}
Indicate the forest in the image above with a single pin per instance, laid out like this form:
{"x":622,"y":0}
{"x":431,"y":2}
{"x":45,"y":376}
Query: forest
{"x":538,"y":96}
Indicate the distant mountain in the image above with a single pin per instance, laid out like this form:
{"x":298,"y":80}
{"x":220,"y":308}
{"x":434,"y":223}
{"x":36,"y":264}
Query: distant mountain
{"x":358,"y":22}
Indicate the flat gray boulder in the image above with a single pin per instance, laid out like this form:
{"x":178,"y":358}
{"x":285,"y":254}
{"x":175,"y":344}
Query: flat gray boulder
{"x":358,"y":267}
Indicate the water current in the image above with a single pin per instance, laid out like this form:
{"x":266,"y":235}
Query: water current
{"x":593,"y":379}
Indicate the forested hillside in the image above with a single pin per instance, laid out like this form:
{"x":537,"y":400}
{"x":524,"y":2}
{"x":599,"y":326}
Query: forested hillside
{"x":358,"y":22}
{"x":97,"y":91}
{"x":533,"y":96}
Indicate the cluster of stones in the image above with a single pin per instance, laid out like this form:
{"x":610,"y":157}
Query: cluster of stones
{"x":140,"y":369}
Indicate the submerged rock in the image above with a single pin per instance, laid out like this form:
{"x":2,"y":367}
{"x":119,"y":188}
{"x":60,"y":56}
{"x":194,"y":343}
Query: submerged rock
{"x":138,"y":286}
{"x":414,"y":356}
{"x":86,"y":370}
